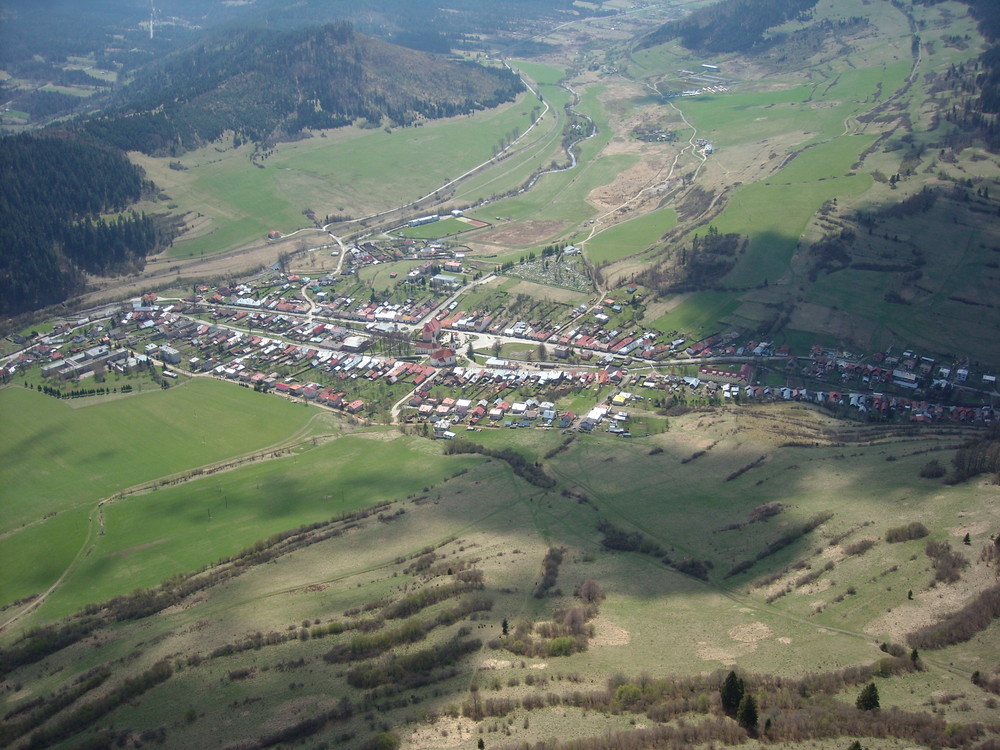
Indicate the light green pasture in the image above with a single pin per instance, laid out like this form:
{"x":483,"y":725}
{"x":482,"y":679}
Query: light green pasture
{"x":352,"y":172}
{"x":630,"y":237}
{"x":441,"y":228}
{"x":57,"y":457}
{"x":177,"y":529}
{"x":699,"y":314}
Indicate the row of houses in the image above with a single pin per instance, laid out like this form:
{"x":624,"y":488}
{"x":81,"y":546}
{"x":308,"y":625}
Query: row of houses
{"x":917,"y":410}
{"x":449,"y":411}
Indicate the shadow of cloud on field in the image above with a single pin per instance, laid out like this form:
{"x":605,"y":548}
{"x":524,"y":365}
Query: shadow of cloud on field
{"x":44,"y":437}
{"x":685,"y":506}
{"x":281,"y":495}
{"x":765,"y":261}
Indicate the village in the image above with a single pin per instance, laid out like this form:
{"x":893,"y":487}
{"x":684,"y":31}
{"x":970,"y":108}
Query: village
{"x":404,"y":362}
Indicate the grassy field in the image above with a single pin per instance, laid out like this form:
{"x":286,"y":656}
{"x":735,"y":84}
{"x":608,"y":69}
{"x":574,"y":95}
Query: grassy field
{"x":698,"y":315}
{"x":503,"y":526}
{"x":176,"y":529}
{"x":69,"y":456}
{"x":444,"y":227}
{"x":340,"y":173}
{"x":630,"y":237}
{"x":63,"y":457}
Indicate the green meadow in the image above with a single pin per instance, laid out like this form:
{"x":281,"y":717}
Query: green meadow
{"x":630,"y":237}
{"x":172,"y":530}
{"x":62,"y":457}
{"x":444,"y":227}
{"x":338,"y":173}
{"x":58,"y":457}
{"x":774,"y":217}
{"x":699,"y":314}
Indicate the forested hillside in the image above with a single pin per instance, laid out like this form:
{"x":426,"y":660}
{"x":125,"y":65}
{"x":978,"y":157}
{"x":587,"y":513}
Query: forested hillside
{"x":728,"y":26}
{"x":979,"y":85}
{"x":260,"y":83}
{"x":51,"y":230}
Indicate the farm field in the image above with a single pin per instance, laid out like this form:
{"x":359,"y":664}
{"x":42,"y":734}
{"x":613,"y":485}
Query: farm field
{"x":153,"y":536}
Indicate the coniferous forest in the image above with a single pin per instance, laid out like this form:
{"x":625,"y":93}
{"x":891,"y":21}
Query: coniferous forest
{"x":729,"y":25}
{"x":51,"y":227}
{"x":261,"y":84}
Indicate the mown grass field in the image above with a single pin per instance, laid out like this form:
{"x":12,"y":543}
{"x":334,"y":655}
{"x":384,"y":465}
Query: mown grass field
{"x":699,"y":314}
{"x":630,"y":237}
{"x":60,"y":461}
{"x":443,"y":227}
{"x":58,"y":457}
{"x":152,"y":536}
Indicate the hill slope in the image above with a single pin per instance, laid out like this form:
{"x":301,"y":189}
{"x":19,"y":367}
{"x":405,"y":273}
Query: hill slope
{"x":260,"y":83}
{"x":51,"y":230}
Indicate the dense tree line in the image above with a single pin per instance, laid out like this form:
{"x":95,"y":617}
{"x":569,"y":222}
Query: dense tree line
{"x":790,"y":536}
{"x":51,"y":229}
{"x":550,"y":571}
{"x":85,"y":715}
{"x":729,"y":25}
{"x":961,"y":625}
{"x":978,"y":457}
{"x":532,"y":473}
{"x":261,"y":84}
{"x":408,"y":670}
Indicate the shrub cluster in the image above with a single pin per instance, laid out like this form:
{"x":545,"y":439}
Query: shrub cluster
{"x":624,"y":541}
{"x":912,"y":530}
{"x":407,"y":671}
{"x":932,"y":470}
{"x":948,"y":564}
{"x":744,"y":469}
{"x":413,"y":603}
{"x":791,"y":536}
{"x":811,"y":576}
{"x":530,"y":472}
{"x":758,"y":515}
{"x":859,"y":547}
{"x":568,"y":633}
{"x":550,"y":571}
{"x":564,"y":445}
{"x":959,"y":626}
{"x":308,"y":727}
